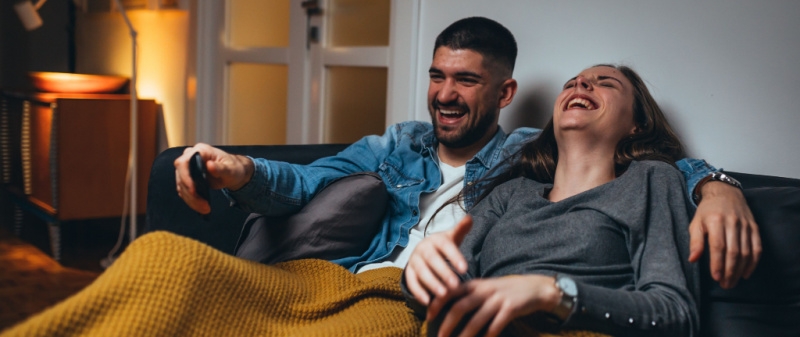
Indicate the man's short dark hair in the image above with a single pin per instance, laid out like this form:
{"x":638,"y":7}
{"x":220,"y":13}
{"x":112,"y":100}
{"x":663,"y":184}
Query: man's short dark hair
{"x":487,"y":37}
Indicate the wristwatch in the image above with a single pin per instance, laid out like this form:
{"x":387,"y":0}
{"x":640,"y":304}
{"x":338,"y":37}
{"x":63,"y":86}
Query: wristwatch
{"x":569,"y":297}
{"x":714,"y":176}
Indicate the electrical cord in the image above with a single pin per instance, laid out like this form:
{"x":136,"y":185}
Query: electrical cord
{"x":106,"y":262}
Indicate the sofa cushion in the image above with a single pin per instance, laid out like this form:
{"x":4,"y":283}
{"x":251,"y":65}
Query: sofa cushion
{"x":339,"y":221}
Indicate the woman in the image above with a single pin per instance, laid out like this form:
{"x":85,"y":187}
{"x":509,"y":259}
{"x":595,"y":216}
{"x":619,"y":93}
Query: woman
{"x":588,"y":230}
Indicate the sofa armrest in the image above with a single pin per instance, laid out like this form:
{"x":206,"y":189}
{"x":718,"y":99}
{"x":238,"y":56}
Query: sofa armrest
{"x":167,"y":211}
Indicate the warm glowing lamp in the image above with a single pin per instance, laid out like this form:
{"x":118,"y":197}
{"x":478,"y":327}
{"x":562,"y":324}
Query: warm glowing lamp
{"x":76,"y":83}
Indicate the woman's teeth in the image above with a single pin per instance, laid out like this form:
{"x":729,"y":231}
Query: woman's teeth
{"x":580,"y":103}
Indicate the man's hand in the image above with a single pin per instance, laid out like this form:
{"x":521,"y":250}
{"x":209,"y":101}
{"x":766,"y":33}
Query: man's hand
{"x":428,"y":271}
{"x":723,"y":216}
{"x":497,"y":301}
{"x":225,"y":170}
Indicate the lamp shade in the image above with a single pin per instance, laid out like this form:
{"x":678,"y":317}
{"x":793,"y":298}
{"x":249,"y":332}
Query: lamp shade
{"x":76,"y":83}
{"x":28,"y":15}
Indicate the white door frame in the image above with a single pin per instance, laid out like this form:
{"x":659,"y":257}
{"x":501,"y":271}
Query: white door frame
{"x":210,"y":68}
{"x":304,"y":120}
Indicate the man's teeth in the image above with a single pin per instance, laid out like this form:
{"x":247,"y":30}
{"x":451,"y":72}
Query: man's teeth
{"x":580,"y":103}
{"x":450,"y":112}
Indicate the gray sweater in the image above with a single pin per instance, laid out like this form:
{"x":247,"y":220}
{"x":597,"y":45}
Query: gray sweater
{"x":625,"y":243}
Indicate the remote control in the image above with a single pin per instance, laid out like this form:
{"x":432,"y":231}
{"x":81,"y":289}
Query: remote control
{"x":197,"y":169}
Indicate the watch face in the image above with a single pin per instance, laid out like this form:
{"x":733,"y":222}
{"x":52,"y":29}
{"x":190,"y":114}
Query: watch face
{"x":568,"y":286}
{"x":719,"y":176}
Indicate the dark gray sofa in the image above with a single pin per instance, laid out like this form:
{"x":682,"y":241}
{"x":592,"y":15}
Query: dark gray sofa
{"x":768,"y":304}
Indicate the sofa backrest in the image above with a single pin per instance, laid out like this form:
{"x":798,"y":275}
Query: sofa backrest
{"x":768,"y":303}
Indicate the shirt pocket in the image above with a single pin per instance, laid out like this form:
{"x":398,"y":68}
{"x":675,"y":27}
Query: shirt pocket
{"x":401,"y":176}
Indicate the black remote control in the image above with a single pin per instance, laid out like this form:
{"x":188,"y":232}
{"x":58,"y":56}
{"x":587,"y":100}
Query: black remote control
{"x":197,"y":169}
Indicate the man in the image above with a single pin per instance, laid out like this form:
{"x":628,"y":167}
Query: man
{"x":424,"y":165}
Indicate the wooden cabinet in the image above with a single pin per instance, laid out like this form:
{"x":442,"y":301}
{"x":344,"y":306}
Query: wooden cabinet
{"x":65,"y":156}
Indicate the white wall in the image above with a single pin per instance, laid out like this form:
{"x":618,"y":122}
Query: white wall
{"x":726,"y":72}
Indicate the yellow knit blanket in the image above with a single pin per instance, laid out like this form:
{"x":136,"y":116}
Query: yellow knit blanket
{"x":168,"y":285}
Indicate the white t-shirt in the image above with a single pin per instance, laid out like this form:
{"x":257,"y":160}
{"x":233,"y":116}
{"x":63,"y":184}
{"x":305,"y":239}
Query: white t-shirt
{"x":452,"y":182}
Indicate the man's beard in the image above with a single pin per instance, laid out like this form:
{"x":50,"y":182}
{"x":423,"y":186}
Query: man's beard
{"x":466,"y":135}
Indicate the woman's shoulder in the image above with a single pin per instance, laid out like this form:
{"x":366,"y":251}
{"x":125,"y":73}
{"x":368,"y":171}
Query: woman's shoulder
{"x":655,"y":168}
{"x":519,"y":183}
{"x":654,"y":164}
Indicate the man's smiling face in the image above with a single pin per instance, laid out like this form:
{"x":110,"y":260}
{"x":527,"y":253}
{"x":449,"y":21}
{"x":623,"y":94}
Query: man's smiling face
{"x":463,"y":97}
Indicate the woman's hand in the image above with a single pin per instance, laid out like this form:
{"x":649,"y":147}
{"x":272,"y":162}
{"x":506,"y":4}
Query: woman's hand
{"x":225,"y":170}
{"x":429,"y":271}
{"x":496,"y":302}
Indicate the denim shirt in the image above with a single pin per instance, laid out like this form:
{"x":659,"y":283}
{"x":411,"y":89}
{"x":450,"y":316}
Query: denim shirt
{"x":405,"y":157}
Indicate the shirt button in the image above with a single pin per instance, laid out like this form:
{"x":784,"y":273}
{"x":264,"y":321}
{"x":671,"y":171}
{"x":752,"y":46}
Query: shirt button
{"x":607,"y":315}
{"x":414,"y":212}
{"x":653,"y":323}
{"x":469,"y":183}
{"x":630,"y":320}
{"x":398,"y":186}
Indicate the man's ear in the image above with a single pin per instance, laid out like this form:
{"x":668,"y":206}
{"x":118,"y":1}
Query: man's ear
{"x":507,"y":91}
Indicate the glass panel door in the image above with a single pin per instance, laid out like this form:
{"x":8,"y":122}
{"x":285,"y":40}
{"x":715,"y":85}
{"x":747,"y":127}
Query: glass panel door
{"x":303,"y":71}
{"x":356,"y":23}
{"x":257,"y":103}
{"x":256,"y":71}
{"x":352,"y":64}
{"x":356,"y":103}
{"x":258,"y":23}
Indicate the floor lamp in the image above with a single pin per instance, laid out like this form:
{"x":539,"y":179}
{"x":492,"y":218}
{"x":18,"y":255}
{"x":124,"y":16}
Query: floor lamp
{"x":27,"y":12}
{"x":130,"y":184}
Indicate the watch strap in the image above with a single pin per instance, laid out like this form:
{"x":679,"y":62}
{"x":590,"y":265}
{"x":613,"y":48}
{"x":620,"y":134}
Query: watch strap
{"x":714,"y":176}
{"x":566,"y":305}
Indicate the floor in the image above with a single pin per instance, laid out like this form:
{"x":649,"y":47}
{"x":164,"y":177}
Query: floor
{"x":31,"y":280}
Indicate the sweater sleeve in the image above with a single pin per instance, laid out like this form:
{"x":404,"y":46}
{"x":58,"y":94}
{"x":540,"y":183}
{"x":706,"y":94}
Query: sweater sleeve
{"x":484,"y":216}
{"x":661,"y":302}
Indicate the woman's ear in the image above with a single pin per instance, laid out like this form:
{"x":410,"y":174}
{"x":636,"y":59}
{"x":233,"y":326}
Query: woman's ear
{"x":637,"y":127}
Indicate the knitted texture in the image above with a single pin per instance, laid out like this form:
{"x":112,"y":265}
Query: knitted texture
{"x":168,"y":285}
{"x":522,"y":330}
